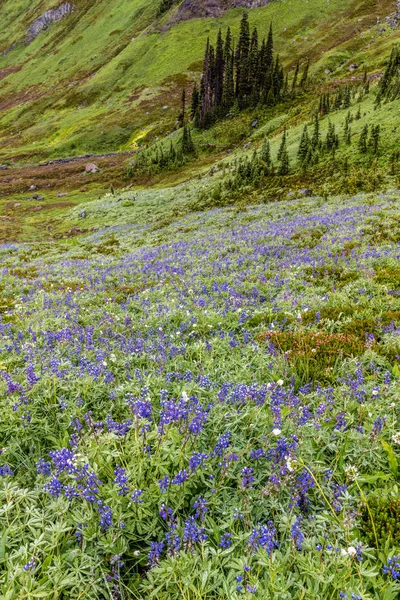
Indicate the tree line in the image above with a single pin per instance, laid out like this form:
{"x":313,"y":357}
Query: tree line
{"x":240,"y":76}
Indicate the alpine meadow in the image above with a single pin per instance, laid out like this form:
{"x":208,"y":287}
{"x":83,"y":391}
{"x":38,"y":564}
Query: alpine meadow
{"x":200,"y":299}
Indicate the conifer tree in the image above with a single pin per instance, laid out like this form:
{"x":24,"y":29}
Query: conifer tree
{"x":254,"y":64}
{"x":347,"y":129}
{"x":295,"y":76}
{"x":282,"y":147}
{"x":374,"y":138}
{"x":219,"y":70}
{"x":346,"y":97}
{"x":182,"y":113}
{"x":283,"y":156}
{"x":332,"y":140}
{"x":284,"y":165}
{"x":228,"y":95}
{"x":304,"y":146}
{"x":304,"y":79}
{"x":195,"y":103}
{"x":269,"y":50}
{"x":362,"y":142}
{"x":242,"y":60}
{"x":315,"y":140}
{"x":265,"y":155}
{"x":187,"y":146}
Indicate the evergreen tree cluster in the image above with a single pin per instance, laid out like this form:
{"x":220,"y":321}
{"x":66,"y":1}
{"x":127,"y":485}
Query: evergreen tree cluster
{"x":389,"y":85}
{"x":252,"y":172}
{"x":157,"y":159}
{"x":342,"y":99}
{"x":366,"y":143}
{"x":242,"y":76}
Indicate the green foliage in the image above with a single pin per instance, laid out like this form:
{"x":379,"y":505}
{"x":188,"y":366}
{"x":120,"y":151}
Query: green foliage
{"x":385,"y":512}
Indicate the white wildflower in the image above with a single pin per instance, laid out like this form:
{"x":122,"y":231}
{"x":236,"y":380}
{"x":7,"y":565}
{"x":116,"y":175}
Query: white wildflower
{"x":351,"y":551}
{"x":276,"y":431}
{"x":351,"y":472}
{"x":289,"y":464}
{"x":396,"y":438}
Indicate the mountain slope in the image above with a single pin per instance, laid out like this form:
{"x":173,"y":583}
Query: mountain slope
{"x":94,"y":80}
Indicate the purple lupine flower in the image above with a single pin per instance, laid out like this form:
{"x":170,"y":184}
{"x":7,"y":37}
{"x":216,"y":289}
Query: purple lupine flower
{"x":136,"y":497}
{"x":154,"y":555}
{"x":297,"y":535}
{"x":173,"y":542}
{"x":54,"y":487}
{"x":196,"y":460}
{"x":181,"y":477}
{"x":201,"y":508}
{"x":121,"y":480}
{"x":392,"y":567}
{"x":192,"y":533}
{"x":30,"y":566}
{"x":5,"y":471}
{"x":226,"y":541}
{"x":105,"y":513}
{"x":248,"y":477}
{"x":264,"y":537}
{"x":164,"y":483}
{"x":43,"y":467}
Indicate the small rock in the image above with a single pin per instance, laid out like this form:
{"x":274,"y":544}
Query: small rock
{"x":17,"y":204}
{"x":37,"y":197}
{"x":305,"y":192}
{"x":62,"y":194}
{"x":32,"y":188}
{"x":247,"y":146}
{"x":91,"y":168}
{"x":82,"y":214}
{"x":165,"y":107}
{"x":353,"y":67}
{"x":83,"y":189}
{"x":254,"y":124}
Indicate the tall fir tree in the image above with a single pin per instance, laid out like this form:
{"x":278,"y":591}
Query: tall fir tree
{"x":362,"y":142}
{"x":375,"y":138}
{"x":283,"y":156}
{"x":295,"y":76}
{"x":304,"y":78}
{"x":187,"y":145}
{"x":219,"y":70}
{"x":265,"y":155}
{"x":304,"y":146}
{"x":182,"y":113}
{"x":282,"y":146}
{"x":347,"y":129}
{"x":195,"y":103}
{"x":228,"y":95}
{"x":242,"y":61}
{"x":254,"y":63}
{"x":332,"y":140}
{"x":316,"y":137}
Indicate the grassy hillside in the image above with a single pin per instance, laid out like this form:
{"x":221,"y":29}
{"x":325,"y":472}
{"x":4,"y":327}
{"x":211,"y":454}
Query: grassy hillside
{"x":99,"y":79}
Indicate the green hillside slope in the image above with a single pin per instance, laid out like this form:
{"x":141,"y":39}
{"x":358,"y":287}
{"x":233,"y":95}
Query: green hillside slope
{"x":101,"y":78}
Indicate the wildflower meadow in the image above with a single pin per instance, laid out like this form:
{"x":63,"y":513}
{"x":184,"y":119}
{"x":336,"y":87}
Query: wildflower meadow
{"x":207,"y":410}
